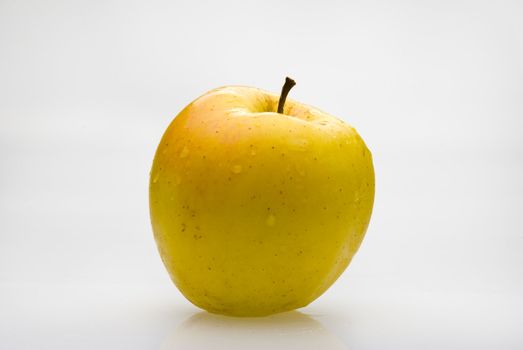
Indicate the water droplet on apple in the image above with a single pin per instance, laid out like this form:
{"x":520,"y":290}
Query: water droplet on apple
{"x":185,"y":152}
{"x":156,"y":177}
{"x":271,"y":220}
{"x":299,"y":144}
{"x":299,"y":169}
{"x":237,"y":169}
{"x":357,"y":198}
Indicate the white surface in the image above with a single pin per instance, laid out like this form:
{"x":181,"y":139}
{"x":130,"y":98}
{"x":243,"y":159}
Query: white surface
{"x":87,"y":89}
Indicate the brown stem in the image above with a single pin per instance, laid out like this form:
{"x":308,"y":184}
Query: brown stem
{"x":289,"y":83}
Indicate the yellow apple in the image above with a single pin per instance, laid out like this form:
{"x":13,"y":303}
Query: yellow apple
{"x":256,"y":211}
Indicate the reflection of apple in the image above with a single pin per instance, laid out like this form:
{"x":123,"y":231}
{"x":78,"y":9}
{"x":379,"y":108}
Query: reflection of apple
{"x":286,"y":331}
{"x":254,"y":211}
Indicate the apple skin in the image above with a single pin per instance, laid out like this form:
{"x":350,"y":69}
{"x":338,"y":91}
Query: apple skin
{"x":256,"y":212}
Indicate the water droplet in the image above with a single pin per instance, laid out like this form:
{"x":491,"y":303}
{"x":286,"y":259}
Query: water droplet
{"x":253,"y":152}
{"x":271,"y":220}
{"x":237,"y":169}
{"x":299,"y":169}
{"x":156,"y":177}
{"x":299,"y":144}
{"x":184,"y":152}
{"x":357,"y":198}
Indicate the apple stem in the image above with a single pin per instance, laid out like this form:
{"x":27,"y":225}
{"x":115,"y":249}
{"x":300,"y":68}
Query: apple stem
{"x":289,"y":83}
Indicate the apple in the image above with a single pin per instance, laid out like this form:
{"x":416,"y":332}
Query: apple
{"x":258,"y":203}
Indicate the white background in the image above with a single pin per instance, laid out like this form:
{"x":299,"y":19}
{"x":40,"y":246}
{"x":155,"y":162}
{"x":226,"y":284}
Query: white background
{"x":434,"y":87}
